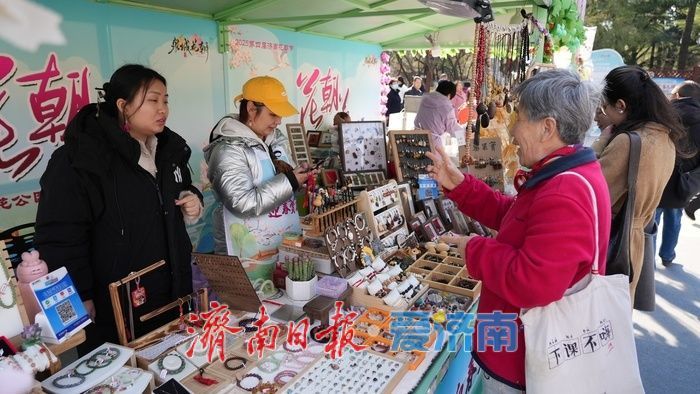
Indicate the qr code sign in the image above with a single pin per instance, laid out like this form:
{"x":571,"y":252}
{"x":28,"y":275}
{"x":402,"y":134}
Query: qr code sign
{"x":65,"y":311}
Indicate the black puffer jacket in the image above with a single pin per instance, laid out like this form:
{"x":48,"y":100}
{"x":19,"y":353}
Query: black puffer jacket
{"x":103,"y":216}
{"x":689,"y":111}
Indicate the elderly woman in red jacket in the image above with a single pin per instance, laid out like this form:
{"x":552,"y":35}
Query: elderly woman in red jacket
{"x":545,"y":242}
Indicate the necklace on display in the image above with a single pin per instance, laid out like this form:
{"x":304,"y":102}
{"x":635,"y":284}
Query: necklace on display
{"x":4,"y":289}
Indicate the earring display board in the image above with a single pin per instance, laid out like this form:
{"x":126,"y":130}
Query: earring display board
{"x":360,"y":372}
{"x":363,"y":146}
{"x":298,"y":144}
{"x":364,"y":179}
{"x":408,"y":148}
{"x":384,"y":210}
{"x":12,"y":315}
{"x":486,"y":162}
{"x":228,"y":279}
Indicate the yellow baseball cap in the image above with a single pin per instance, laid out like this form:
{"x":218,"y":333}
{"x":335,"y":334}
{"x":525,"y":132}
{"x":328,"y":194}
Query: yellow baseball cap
{"x":269,"y":91}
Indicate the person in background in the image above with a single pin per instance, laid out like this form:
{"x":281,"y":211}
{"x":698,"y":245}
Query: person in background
{"x":402,"y":88}
{"x":416,"y":89}
{"x":632,"y":101}
{"x":341,"y":117}
{"x":546,"y":239}
{"x":115,"y":199}
{"x":685,"y":99}
{"x":460,"y":97}
{"x":393,"y":103}
{"x":436,"y":113}
{"x":443,"y":77}
{"x":253,"y":176}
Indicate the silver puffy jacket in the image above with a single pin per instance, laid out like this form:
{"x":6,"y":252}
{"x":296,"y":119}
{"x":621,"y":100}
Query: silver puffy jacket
{"x":235,"y":174}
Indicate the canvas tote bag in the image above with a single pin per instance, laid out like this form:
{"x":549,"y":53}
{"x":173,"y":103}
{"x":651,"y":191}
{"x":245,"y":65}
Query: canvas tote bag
{"x":583,"y":343}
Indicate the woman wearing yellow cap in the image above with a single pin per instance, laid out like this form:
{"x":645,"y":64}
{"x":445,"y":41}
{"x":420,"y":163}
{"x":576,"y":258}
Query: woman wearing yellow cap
{"x":253,"y":176}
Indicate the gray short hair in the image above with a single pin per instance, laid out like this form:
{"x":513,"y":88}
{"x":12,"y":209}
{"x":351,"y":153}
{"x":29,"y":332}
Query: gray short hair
{"x":562,"y":95}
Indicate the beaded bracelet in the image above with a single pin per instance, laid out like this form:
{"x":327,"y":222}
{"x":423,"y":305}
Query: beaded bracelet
{"x":284,"y":345}
{"x":247,"y":324}
{"x":323,"y":339}
{"x":69,"y":375}
{"x":249,"y":375}
{"x":266,"y":388}
{"x":275,"y":365}
{"x":175,"y":371}
{"x":103,"y":388}
{"x":284,"y":374}
{"x":235,"y":358}
{"x":77,"y":367}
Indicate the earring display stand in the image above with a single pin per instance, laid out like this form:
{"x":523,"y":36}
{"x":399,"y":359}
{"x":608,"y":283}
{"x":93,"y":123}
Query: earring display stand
{"x":386,"y":218}
{"x":345,"y":241}
{"x":487,"y":162}
{"x":228,"y":279}
{"x":408,"y":148}
{"x":298,"y":144}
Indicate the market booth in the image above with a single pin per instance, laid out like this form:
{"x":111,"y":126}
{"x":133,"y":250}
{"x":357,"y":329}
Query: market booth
{"x":369,"y":229}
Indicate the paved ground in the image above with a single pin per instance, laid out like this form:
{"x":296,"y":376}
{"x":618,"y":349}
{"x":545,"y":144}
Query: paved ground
{"x":668,"y":339}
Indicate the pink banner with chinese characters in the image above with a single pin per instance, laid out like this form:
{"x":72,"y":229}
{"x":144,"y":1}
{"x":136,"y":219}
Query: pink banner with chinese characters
{"x":322,"y":76}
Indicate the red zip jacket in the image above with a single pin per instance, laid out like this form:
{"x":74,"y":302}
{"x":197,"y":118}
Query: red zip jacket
{"x":545,"y":244}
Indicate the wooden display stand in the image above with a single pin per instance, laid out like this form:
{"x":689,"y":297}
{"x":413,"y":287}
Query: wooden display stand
{"x":382,"y":206}
{"x":319,"y":222}
{"x":161,"y":332}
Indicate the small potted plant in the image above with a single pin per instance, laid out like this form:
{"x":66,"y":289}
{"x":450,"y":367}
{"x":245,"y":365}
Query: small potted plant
{"x":301,"y":279}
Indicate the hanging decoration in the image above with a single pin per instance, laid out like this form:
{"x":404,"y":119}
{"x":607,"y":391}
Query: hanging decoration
{"x":384,"y":70}
{"x":565,"y":26}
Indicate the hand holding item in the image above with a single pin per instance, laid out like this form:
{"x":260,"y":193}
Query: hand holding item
{"x":190,"y":205}
{"x":460,"y":241}
{"x":303,"y":172}
{"x":443,"y":170}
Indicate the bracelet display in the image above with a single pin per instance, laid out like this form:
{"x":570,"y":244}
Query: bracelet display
{"x":70,"y":375}
{"x":239,"y":382}
{"x":172,"y":371}
{"x":242,"y":364}
{"x":284,"y":374}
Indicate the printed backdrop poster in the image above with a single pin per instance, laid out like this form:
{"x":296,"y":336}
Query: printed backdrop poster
{"x":41,"y":91}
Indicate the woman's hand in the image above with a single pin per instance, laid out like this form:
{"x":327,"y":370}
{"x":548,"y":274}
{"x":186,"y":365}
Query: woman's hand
{"x":190,"y":205}
{"x":461,"y":242}
{"x":443,"y":170}
{"x":303,"y":172}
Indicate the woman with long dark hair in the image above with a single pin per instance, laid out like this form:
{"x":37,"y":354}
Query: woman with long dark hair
{"x":115,"y":199}
{"x":632,"y":101}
